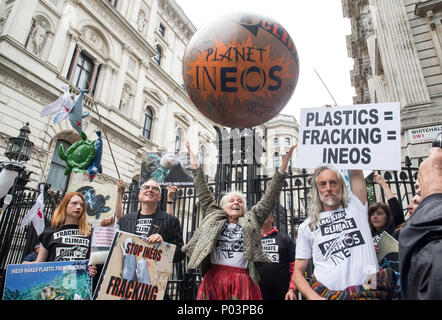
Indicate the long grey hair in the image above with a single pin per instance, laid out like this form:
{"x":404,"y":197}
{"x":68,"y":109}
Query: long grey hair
{"x":316,"y":207}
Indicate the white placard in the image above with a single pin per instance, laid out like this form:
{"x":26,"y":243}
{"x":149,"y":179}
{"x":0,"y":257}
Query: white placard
{"x":366,"y":137}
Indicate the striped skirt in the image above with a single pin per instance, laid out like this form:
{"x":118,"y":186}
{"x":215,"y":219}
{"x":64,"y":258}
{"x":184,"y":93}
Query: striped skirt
{"x":228,"y":283}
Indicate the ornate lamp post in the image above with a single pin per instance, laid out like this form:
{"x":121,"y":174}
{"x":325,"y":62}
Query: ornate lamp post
{"x":18,"y":149}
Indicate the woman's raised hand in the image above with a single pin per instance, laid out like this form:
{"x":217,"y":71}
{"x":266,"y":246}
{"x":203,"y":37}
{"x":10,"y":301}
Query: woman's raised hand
{"x":193,"y":158}
{"x":286,"y":158}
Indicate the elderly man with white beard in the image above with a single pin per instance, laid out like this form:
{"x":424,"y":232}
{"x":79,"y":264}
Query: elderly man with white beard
{"x":336,"y":236}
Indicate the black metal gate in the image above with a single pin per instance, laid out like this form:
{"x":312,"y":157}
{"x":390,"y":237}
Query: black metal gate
{"x":238,"y":171}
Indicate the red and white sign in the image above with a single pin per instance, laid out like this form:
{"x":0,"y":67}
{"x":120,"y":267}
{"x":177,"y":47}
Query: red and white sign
{"x":422,"y":135}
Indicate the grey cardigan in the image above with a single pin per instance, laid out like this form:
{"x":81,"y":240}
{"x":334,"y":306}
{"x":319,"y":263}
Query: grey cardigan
{"x":205,"y":237}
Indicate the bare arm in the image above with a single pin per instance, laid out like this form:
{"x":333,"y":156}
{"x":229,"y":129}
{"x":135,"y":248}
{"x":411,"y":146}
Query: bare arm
{"x":105,"y":222}
{"x":119,"y":200}
{"x":205,"y":196}
{"x":300,"y":282}
{"x":265,"y":205}
{"x":358,"y":186}
{"x":286,"y":158}
{"x":193,"y":157}
{"x":171,"y":191}
{"x":42,"y":255}
{"x":384,"y":185}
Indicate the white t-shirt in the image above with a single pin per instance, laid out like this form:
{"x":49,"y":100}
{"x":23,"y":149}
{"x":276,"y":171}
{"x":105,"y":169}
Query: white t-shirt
{"x":229,"y":249}
{"x":341,"y":247}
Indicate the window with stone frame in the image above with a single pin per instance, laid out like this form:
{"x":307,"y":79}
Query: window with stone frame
{"x":148,"y":119}
{"x":158,"y":56}
{"x":56,"y":177}
{"x":83,"y":72}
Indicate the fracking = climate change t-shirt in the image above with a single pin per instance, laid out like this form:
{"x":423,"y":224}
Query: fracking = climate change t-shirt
{"x":144,"y":224}
{"x":229,"y":250}
{"x":341,"y":246}
{"x":275,"y":276}
{"x":65,"y":243}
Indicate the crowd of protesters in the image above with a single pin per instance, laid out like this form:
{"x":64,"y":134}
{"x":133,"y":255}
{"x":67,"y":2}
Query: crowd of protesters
{"x":339,"y":239}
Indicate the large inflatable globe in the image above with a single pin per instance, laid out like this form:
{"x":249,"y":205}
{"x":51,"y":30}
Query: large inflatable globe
{"x":241,"y":69}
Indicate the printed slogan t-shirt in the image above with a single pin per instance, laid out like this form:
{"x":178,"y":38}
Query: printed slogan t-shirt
{"x":229,"y":250}
{"x":341,"y":246}
{"x":65,"y":243}
{"x":275,"y":277}
{"x":144,"y":224}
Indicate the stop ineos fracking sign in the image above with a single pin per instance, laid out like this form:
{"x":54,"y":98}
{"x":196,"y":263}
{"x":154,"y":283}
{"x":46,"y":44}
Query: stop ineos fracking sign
{"x":351,"y":137}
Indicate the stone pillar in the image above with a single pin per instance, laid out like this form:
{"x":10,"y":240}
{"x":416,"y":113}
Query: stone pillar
{"x":401,"y":63}
{"x":19,"y":22}
{"x":152,"y":21}
{"x":74,"y":63}
{"x":55,"y":53}
{"x":103,"y":82}
{"x":93,"y":76}
{"x":133,"y":13}
{"x":120,"y":77}
{"x":139,"y":105}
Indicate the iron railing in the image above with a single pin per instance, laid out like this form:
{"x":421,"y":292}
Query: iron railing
{"x":289,"y":213}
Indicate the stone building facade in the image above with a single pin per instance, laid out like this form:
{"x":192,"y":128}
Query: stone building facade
{"x":280,"y":134}
{"x":127,"y":53}
{"x":397,"y":50}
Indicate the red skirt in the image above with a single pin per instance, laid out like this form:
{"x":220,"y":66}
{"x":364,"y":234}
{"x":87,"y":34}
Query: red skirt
{"x":228,"y":283}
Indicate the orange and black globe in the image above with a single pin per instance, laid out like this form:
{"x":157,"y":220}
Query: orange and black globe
{"x":240,"y":70}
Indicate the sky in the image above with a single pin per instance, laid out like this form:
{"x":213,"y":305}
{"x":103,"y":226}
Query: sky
{"x":318,"y":30}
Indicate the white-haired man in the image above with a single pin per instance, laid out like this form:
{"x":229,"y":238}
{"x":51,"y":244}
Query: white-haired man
{"x":336,"y":234}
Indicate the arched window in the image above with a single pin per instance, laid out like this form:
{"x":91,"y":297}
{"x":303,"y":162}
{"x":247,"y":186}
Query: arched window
{"x":276,"y":160}
{"x":56,"y":177}
{"x":158,"y":56}
{"x":148,"y":117}
{"x":178,"y":139}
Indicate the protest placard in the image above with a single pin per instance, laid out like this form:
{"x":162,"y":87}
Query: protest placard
{"x":363,"y":137}
{"x":65,"y":280}
{"x":166,"y":168}
{"x":102,"y":238}
{"x":100,"y":199}
{"x":135,"y":270}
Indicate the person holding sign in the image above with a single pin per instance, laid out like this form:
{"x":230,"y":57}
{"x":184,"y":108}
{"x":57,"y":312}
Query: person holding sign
{"x":383,"y":217}
{"x":152,"y":223}
{"x":68,"y":237}
{"x":337,"y":237}
{"x":227,"y":245}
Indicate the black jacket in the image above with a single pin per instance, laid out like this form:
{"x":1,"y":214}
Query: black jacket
{"x":169,"y":229}
{"x":420,"y":251}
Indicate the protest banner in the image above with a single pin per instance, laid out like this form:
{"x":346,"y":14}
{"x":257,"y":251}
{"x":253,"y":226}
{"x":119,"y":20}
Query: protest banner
{"x":365,"y":137}
{"x":166,"y":168}
{"x":65,"y":280}
{"x":135,"y":270}
{"x":102,"y":238}
{"x":100,"y":199}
